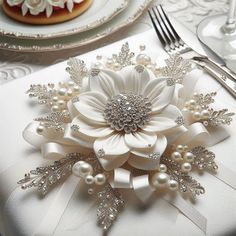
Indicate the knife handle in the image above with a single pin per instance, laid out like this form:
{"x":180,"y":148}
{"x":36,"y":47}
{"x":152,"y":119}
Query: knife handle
{"x":216,"y":66}
{"x":220,"y":78}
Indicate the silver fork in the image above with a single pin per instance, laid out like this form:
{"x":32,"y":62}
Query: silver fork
{"x":172,"y":43}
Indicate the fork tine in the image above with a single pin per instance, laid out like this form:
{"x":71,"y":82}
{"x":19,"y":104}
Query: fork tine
{"x":162,"y":40}
{"x":165,"y":27}
{"x":166,"y":37}
{"x":180,"y":41}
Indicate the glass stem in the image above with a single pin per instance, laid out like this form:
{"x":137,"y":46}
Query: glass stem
{"x":230,"y":26}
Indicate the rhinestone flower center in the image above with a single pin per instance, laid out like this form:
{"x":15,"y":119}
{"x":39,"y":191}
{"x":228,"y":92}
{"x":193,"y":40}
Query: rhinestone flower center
{"x":127,"y":112}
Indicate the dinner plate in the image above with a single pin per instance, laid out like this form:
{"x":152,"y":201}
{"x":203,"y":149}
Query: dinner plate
{"x":100,"y":12}
{"x":133,"y":10}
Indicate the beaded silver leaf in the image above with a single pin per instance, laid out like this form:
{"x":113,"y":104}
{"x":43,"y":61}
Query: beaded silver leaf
{"x":176,"y":68}
{"x":221,"y":117}
{"x":42,"y":92}
{"x":110,"y":204}
{"x":77,"y":70}
{"x":204,"y":159}
{"x":55,"y":120}
{"x":43,"y":177}
{"x":124,"y":57}
{"x":214,"y":118}
{"x":187,"y":184}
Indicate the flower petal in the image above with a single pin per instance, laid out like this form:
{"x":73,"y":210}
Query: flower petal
{"x":140,"y":139}
{"x":91,"y":129}
{"x":92,"y":105}
{"x":164,"y":120}
{"x":159,"y":93}
{"x":140,"y":158}
{"x":116,"y":152}
{"x":134,"y":79}
{"x":106,"y":82}
{"x":114,"y":162}
{"x":113,"y":145}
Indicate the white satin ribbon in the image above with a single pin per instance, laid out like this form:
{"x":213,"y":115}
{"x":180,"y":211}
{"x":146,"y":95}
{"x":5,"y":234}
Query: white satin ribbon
{"x":57,"y":208}
{"x":189,"y":211}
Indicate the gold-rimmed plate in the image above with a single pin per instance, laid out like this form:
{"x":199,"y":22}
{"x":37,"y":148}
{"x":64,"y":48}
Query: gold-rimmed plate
{"x":126,"y":17}
{"x":100,"y":12}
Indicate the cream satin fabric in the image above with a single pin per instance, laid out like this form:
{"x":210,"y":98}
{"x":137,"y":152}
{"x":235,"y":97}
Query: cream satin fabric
{"x":24,"y":213}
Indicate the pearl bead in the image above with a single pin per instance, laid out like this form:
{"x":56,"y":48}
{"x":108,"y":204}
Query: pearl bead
{"x":180,"y":148}
{"x":143,"y":59}
{"x":109,"y":62}
{"x":61,"y":103}
{"x":69,"y":93}
{"x":195,"y":94}
{"x":142,"y":47}
{"x":197,"y":115}
{"x":90,"y":191}
{"x":55,"y":108}
{"x":176,"y":156}
{"x":76,"y":88}
{"x":189,"y":157}
{"x":89,"y":179}
{"x":62,"y":91}
{"x":197,"y":108}
{"x":40,"y":129}
{"x":111,"y":217}
{"x":116,"y":66}
{"x":173,"y":185}
{"x":82,"y":169}
{"x":186,"y":167}
{"x":205,"y":114}
{"x":185,"y":109}
{"x":71,"y":83}
{"x":185,"y":148}
{"x":192,"y":102}
{"x":160,"y":179}
{"x":55,"y":99}
{"x":162,"y":168}
{"x":100,"y":179}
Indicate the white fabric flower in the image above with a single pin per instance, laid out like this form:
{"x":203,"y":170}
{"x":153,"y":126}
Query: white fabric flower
{"x":125,"y":116}
{"x":14,"y":2}
{"x":34,"y":6}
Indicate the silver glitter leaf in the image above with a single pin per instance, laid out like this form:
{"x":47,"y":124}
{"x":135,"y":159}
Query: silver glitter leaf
{"x":176,"y":68}
{"x":221,"y":117}
{"x":55,"y":120}
{"x":110,"y":204}
{"x":124,"y":57}
{"x":204,"y":159}
{"x":42,"y":92}
{"x":43,"y":177}
{"x":187,"y":184}
{"x":77,"y":70}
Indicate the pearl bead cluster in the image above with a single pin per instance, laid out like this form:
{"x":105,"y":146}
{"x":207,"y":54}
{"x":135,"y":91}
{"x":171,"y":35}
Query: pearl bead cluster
{"x":161,"y":179}
{"x":199,"y":111}
{"x":62,"y":95}
{"x":182,"y":156}
{"x":143,"y":59}
{"x":85,"y":171}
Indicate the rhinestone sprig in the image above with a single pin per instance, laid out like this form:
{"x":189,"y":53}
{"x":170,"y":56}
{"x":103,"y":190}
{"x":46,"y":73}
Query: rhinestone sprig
{"x":127,"y":112}
{"x":199,"y":106}
{"x":176,"y":68}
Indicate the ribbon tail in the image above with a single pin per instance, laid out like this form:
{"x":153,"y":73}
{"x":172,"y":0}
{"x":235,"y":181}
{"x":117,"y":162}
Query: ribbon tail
{"x":57,"y":209}
{"x":189,"y":211}
{"x":142,"y":187}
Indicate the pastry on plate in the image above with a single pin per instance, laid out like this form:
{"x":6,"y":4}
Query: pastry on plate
{"x":43,"y":12}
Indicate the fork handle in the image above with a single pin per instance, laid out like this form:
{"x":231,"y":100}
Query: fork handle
{"x":217,"y":66}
